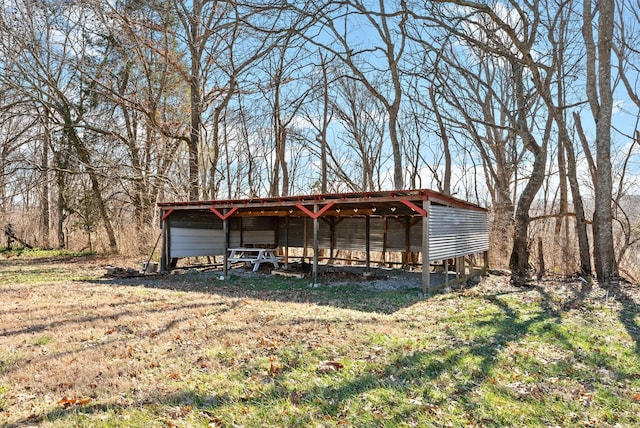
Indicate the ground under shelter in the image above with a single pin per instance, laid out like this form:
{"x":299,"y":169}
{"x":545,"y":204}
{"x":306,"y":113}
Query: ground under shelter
{"x":410,"y":222}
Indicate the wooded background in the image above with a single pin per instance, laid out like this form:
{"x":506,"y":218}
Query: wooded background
{"x":528,"y":107}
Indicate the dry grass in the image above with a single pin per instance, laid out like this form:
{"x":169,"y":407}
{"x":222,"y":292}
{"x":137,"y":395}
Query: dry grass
{"x":77,"y":349}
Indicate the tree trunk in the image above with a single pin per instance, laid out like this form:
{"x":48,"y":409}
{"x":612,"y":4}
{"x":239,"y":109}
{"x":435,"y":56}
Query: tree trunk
{"x":519,"y":260}
{"x":398,"y":172}
{"x":45,"y":209}
{"x":578,"y":206}
{"x":324,"y":126}
{"x":84,"y":157}
{"x":446,"y":182}
{"x":600,"y":97}
{"x":194,"y":136}
{"x":60,"y":199}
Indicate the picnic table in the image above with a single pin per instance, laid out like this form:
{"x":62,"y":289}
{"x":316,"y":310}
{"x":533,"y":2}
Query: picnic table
{"x":254,"y":256}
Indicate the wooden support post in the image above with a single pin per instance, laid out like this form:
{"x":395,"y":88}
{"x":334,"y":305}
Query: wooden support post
{"x":286,"y":242}
{"x":316,"y":227}
{"x":486,"y":260}
{"x":426,"y":275}
{"x":446,"y":272}
{"x":165,"y":264}
{"x":367,"y":228}
{"x":225,"y":232}
{"x":407,"y":239}
{"x":304,"y":240}
{"x":384,"y":241}
{"x":332,"y":238}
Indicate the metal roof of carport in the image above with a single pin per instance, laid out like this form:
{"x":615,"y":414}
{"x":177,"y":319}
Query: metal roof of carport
{"x":382,"y":203}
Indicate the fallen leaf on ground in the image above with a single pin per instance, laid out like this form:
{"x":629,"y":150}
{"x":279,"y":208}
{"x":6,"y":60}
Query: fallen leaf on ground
{"x":73,"y":401}
{"x":274,"y":368}
{"x":329,"y":366}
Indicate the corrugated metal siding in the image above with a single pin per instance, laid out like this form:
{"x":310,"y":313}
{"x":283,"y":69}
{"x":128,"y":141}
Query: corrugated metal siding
{"x":351,"y":234}
{"x":396,"y":240}
{"x":455,"y":232}
{"x":199,"y":233}
{"x":190,"y":242}
{"x":396,"y":234}
{"x":253,"y":223}
{"x":415,"y":237}
{"x":259,"y":238}
{"x":195,"y":220}
{"x":296,"y":232}
{"x":324,"y":234}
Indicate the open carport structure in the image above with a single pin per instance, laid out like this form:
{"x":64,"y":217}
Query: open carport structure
{"x":420,"y":221}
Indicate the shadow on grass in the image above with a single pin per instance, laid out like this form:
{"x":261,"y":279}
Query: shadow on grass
{"x":353,"y":292}
{"x":629,"y":312}
{"x":51,"y":324}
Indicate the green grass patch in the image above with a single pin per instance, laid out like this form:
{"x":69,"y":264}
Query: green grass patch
{"x":33,"y":274}
{"x":39,"y":253}
{"x":4,"y":402}
{"x":42,"y":340}
{"x":8,"y":360}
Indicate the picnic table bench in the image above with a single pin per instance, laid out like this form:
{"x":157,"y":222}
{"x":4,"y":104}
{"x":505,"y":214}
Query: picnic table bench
{"x":254,"y":256}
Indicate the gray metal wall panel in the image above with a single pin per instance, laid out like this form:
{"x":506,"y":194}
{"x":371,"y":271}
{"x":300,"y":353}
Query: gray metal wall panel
{"x":455,"y":232}
{"x":396,"y":240}
{"x":234,"y":239}
{"x":255,"y":223}
{"x":396,"y":234}
{"x":324,"y":231}
{"x":415,"y":237}
{"x":259,"y":238}
{"x":296,"y":232}
{"x":377,"y":234}
{"x":351,"y":234}
{"x":190,"y":242}
{"x":195,"y":220}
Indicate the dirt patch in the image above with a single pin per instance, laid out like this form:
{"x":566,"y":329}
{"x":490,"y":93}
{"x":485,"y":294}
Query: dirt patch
{"x":374,"y":278}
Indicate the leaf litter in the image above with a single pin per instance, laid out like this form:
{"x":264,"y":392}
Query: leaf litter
{"x":183,"y":347}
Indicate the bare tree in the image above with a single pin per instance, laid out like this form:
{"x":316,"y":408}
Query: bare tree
{"x":319,"y":114}
{"x":361,"y":115}
{"x":286,"y":93}
{"x":385,"y":44}
{"x":50,"y":73}
{"x":504,"y":38}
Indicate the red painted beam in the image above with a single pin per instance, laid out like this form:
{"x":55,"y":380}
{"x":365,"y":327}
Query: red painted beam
{"x":316,"y":214}
{"x":168,"y":213}
{"x":414,"y":207}
{"x":221,"y":216}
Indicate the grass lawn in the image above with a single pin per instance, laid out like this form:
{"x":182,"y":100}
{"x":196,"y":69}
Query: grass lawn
{"x":78,"y":349}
